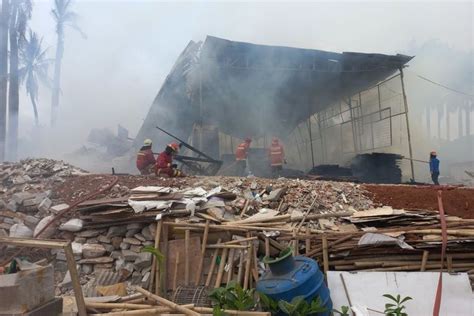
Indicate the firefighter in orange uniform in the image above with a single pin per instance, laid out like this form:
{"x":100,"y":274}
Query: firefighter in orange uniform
{"x":241,"y":155}
{"x":276,"y":156}
{"x":164,"y":162}
{"x":145,"y":159}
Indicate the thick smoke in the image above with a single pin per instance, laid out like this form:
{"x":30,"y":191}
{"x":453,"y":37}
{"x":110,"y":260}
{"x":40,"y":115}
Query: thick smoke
{"x":113,"y":76}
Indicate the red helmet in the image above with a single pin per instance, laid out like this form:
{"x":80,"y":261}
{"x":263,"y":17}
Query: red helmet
{"x":174,"y":146}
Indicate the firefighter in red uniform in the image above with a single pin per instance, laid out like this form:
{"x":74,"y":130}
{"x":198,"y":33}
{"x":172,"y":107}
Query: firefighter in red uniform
{"x":276,"y":156}
{"x":241,"y":154}
{"x":145,"y":159}
{"x":164,"y":162}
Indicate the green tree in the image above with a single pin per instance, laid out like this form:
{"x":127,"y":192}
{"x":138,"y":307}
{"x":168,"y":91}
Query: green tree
{"x":63,"y":16}
{"x":34,"y":68}
{"x":20,"y":14}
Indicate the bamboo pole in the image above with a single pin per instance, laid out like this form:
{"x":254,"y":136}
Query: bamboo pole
{"x":213,"y":265}
{"x":241,"y":267}
{"x":162,"y":282}
{"x":223,"y":246}
{"x":246,"y":205}
{"x":167,"y":303}
{"x":186,"y":257}
{"x":238,"y":241}
{"x":295,"y":244}
{"x":175,"y":276}
{"x":154,"y":265}
{"x":231,"y":312}
{"x":247,"y":266}
{"x":325,"y":255}
{"x":230,"y":272}
{"x":119,"y":305}
{"x":308,"y":242}
{"x":220,"y":271}
{"x":424,"y":260}
{"x":203,"y":252}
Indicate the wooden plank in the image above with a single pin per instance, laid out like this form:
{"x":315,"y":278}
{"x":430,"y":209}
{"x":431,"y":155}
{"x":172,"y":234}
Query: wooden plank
{"x":176,"y":247}
{"x":76,"y":285}
{"x":30,"y":242}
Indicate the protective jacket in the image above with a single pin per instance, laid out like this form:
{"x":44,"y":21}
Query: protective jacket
{"x":276,"y":154}
{"x":145,"y":158}
{"x":242,"y":151}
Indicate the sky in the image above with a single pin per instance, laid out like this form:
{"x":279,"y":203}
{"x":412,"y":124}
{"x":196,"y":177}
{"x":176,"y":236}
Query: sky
{"x":112,"y":75}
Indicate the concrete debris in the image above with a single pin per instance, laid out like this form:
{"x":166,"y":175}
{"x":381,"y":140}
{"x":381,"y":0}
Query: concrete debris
{"x":20,"y":231}
{"x":72,"y":225}
{"x":49,"y":231}
{"x":93,"y":250}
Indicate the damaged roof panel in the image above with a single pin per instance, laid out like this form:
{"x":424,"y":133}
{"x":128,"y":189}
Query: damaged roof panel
{"x":248,"y":90}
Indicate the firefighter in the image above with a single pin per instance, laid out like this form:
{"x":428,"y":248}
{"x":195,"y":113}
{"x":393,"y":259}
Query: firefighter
{"x":241,"y":155}
{"x":434,"y":167}
{"x":145,"y":159}
{"x":276,"y":156}
{"x":164,"y":162}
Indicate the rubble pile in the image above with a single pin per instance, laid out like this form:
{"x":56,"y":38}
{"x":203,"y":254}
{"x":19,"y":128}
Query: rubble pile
{"x":26,"y":193}
{"x":209,"y":231}
{"x":110,"y":232}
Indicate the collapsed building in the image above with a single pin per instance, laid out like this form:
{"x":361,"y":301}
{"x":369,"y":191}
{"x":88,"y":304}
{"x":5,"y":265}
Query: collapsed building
{"x":327,"y":107}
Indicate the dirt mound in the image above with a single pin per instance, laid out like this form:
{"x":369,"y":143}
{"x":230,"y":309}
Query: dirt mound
{"x":457,"y":201}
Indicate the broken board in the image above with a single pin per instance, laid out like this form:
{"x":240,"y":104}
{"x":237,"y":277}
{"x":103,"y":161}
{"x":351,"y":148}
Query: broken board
{"x":176,"y":247}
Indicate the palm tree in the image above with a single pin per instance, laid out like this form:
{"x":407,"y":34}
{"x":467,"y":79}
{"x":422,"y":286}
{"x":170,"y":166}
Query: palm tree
{"x":20,"y":14}
{"x":63,"y":16}
{"x":3,"y":74}
{"x":34,"y":68}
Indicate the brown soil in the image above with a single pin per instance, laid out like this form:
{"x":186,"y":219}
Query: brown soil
{"x":457,"y":201}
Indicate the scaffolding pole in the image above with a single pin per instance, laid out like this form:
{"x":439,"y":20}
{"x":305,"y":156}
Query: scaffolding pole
{"x":405,"y":102}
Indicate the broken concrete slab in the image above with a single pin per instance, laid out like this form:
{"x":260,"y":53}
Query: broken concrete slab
{"x":104,"y":239}
{"x":132,"y":241}
{"x":116,"y":231}
{"x":98,"y":260}
{"x":93,"y":250}
{"x":143,"y":260}
{"x":59,"y":208}
{"x":129,"y":255}
{"x":72,"y":225}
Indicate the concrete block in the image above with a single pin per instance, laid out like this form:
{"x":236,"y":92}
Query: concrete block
{"x":58,"y":208}
{"x":93,"y":250}
{"x":117,"y":231}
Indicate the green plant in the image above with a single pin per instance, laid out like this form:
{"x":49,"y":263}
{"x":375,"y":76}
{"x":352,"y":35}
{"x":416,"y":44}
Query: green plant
{"x":155,"y":252}
{"x":397,"y":308}
{"x":233,"y":296}
{"x":343,"y":312}
{"x":268,"y":304}
{"x":217,"y":311}
{"x":299,"y":307}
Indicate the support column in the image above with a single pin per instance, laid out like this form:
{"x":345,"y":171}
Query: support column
{"x":405,"y":102}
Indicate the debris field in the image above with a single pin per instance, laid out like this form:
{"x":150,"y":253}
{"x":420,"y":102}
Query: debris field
{"x":213,"y":230}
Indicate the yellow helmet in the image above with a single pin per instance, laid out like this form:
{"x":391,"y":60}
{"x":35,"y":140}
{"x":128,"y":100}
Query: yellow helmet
{"x":147,"y":142}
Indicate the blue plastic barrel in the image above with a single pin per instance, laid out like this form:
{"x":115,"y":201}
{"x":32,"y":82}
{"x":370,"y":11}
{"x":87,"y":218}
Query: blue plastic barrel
{"x":290,"y":276}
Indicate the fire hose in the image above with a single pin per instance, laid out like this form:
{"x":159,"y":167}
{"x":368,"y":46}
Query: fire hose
{"x":63,"y":212}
